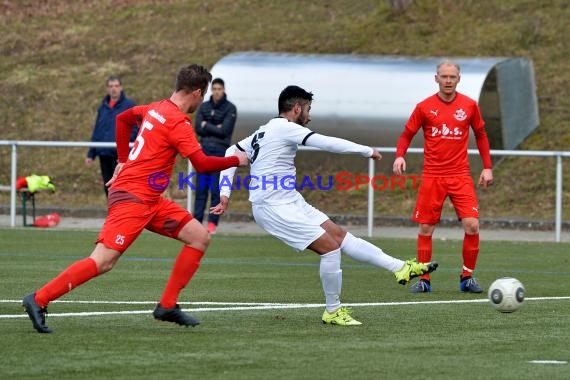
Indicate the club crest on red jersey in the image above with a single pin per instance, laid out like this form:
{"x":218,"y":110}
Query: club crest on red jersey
{"x":460,"y":115}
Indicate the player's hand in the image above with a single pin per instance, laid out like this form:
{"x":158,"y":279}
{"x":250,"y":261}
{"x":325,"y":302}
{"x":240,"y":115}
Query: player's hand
{"x":243,"y":160}
{"x":399,"y":166}
{"x":88,"y":162}
{"x":486,"y":178}
{"x":221,"y":207}
{"x":376,"y":156}
{"x":115,"y":174}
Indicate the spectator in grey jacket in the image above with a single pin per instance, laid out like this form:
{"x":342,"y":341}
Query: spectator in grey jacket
{"x":214,"y":123}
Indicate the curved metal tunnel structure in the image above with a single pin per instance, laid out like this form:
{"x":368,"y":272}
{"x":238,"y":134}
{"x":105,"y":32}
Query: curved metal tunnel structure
{"x":369,"y":98}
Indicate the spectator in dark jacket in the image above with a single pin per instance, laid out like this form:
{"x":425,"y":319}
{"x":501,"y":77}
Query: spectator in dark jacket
{"x":215,"y":121}
{"x":113,"y":104}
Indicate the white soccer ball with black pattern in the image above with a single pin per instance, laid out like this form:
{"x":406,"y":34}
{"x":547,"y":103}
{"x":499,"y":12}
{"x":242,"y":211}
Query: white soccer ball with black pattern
{"x":506,"y":294}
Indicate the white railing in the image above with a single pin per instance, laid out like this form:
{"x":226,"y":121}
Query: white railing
{"x":371,"y":170}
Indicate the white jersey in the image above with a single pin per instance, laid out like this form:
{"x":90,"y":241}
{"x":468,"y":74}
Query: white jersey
{"x":271,"y":151}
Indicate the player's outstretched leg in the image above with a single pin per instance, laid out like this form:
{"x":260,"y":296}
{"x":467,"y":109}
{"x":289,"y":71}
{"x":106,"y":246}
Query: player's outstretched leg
{"x":363,"y":251}
{"x":366,"y":252}
{"x":175,"y":315}
{"x":36,"y":313}
{"x":74,"y":275}
{"x":412,"y":269}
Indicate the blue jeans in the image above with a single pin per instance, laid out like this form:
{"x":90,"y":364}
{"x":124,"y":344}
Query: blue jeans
{"x":208,"y":182}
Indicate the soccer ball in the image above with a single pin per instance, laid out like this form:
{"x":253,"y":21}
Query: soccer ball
{"x":506,"y":294}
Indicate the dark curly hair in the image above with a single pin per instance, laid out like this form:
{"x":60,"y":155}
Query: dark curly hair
{"x":292,"y":95}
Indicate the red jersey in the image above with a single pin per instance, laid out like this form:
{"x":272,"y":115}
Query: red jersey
{"x":446,"y":134}
{"x":164,"y":132}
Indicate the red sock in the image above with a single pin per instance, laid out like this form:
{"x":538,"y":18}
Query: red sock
{"x":470,"y":253}
{"x":424,"y":252}
{"x":75,"y":275}
{"x":185,"y":266}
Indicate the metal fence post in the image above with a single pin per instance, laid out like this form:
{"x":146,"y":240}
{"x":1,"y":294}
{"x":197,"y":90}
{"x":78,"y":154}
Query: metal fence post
{"x":371,"y":170}
{"x":558,"y":217}
{"x":13,"y":179}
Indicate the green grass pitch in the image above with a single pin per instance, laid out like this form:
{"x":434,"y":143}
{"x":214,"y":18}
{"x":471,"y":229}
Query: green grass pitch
{"x":260,"y":305}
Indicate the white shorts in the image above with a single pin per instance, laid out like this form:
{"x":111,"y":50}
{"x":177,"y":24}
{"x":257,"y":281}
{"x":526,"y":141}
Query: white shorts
{"x":297,"y":224}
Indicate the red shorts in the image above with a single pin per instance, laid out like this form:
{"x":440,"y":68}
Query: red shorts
{"x":432,"y":194}
{"x":126,"y":220}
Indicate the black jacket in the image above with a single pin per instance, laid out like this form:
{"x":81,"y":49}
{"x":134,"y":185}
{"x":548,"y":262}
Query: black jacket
{"x":104,"y":129}
{"x":223,"y":113}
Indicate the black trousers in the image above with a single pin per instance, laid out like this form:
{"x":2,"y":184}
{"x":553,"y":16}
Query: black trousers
{"x":108,"y":165}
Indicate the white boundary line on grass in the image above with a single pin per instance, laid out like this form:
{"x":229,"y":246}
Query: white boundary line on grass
{"x":548,"y":362}
{"x":97,"y":302}
{"x":238,"y":306}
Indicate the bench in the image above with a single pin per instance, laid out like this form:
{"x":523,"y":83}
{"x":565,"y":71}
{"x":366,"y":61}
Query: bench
{"x":26,"y":196}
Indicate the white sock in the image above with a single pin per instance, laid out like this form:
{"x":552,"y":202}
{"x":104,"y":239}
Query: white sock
{"x":331,"y":278}
{"x":365,"y":252}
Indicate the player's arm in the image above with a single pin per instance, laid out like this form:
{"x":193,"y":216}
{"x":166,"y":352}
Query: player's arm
{"x":300,"y":135}
{"x":227,"y":176}
{"x":410,"y":129}
{"x":200,"y":131}
{"x":184,"y":139}
{"x":205,"y":164}
{"x":486,"y":177}
{"x":124,"y":124}
{"x":338,"y":145}
{"x":123,"y":129}
{"x":225,"y":186}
